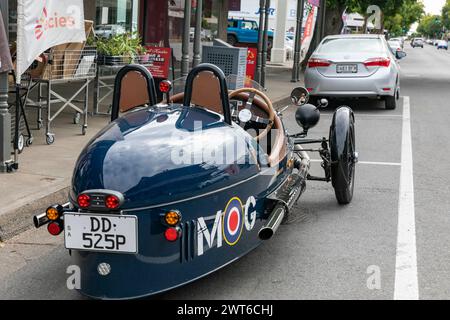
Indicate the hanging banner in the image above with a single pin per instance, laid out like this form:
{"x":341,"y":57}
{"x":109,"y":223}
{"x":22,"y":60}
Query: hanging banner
{"x":42,"y":24}
{"x":251,"y":63}
{"x":310,"y":13}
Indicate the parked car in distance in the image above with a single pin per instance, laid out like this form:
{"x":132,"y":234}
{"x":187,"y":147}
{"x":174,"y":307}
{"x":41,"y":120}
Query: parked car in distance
{"x":244,"y":31}
{"x":205,"y":35}
{"x":395,"y":45}
{"x":109,"y":30}
{"x":417,"y":42}
{"x":354,"y":66}
{"x":442,"y":44}
{"x":401,"y":40}
{"x":429,"y":41}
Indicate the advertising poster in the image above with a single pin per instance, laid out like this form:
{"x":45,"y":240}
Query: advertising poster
{"x":159,"y":61}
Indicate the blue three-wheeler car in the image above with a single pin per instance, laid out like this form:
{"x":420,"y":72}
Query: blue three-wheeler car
{"x":169,"y":192}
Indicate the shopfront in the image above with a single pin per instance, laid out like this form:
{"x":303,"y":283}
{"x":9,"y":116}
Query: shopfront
{"x":159,"y":23}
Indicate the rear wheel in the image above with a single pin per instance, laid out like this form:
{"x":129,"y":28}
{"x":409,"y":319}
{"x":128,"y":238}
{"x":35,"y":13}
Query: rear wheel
{"x":343,"y":155}
{"x":231,"y":39}
{"x":391,"y":102}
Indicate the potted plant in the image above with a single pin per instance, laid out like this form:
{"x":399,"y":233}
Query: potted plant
{"x":120,"y":49}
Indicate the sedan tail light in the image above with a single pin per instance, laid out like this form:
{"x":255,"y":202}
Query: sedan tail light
{"x":315,"y":63}
{"x":378,"y":62}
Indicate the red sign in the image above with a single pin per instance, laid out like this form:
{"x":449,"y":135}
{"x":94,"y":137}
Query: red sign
{"x":159,"y":61}
{"x":251,"y":62}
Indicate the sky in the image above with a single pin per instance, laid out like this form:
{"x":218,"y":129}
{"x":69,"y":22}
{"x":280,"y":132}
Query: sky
{"x":433,"y":6}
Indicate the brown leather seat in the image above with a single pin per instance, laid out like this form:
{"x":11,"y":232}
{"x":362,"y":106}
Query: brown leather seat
{"x":206,"y":92}
{"x":134,"y":91}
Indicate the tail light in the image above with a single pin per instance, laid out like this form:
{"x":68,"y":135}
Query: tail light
{"x":165,"y":86}
{"x":172,"y":234}
{"x":100,"y":199}
{"x":317,"y":63}
{"x":378,"y":62}
{"x":84,"y":201}
{"x":112,"y":202}
{"x":55,"y":228}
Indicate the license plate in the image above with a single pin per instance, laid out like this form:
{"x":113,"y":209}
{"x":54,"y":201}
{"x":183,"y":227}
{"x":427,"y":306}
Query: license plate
{"x":347,"y":68}
{"x":111,"y":233}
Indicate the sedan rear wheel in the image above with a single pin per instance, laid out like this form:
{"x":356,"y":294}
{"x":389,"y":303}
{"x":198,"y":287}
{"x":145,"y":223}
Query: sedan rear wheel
{"x":391,"y":102}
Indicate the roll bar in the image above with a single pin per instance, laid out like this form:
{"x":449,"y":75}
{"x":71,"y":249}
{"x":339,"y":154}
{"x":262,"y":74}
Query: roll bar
{"x":151,"y":88}
{"x":222,"y":82}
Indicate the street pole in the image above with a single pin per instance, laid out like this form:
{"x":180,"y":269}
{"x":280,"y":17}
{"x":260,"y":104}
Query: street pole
{"x":262,"y":4}
{"x":318,"y":32}
{"x":298,"y":41}
{"x":198,"y":33}
{"x":185,"y":41}
{"x":5,"y":116}
{"x":265,"y":43}
{"x":324,"y":15}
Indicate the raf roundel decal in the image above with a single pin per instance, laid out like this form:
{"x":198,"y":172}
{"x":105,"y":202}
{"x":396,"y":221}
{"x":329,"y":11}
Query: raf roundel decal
{"x":233,"y":221}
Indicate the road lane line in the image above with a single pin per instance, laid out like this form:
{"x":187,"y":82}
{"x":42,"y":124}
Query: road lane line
{"x":406,"y":282}
{"x":368,"y":115}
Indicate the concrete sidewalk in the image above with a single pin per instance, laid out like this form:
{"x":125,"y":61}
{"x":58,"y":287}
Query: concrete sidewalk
{"x":45,"y":171}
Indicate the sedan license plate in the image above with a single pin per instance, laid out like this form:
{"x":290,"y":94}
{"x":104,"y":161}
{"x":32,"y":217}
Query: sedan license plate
{"x":111,"y":233}
{"x":347,"y":68}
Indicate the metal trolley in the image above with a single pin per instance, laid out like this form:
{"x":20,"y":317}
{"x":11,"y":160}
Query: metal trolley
{"x":77,"y":67}
{"x":20,"y":130}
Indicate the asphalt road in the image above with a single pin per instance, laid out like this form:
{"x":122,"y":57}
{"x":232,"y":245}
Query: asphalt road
{"x":326,"y":251}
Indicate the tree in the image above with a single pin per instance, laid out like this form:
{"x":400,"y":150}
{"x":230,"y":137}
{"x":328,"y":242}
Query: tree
{"x":397,"y":15}
{"x":430,"y":26}
{"x":446,"y":15}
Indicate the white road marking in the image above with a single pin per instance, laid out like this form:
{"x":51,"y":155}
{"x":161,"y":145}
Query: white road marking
{"x":406,"y":282}
{"x":374,"y":163}
{"x":368,"y":115}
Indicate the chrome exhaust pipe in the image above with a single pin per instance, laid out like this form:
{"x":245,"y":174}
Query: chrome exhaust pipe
{"x":274,"y":221}
{"x":40,"y":220}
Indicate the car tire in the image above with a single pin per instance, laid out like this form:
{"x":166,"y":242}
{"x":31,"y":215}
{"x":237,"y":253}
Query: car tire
{"x":343,"y":152}
{"x":231,"y":39}
{"x":391,"y":102}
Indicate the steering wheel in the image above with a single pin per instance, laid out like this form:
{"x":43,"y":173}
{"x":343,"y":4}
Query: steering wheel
{"x":247,"y":95}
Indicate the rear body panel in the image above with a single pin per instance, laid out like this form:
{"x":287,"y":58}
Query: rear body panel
{"x":133,"y":156}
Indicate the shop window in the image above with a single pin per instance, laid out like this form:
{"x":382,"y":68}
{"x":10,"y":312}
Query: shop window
{"x":116,"y":16}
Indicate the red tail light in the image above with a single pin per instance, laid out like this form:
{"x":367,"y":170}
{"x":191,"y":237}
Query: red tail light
{"x":112,"y":202}
{"x":84,"y":201}
{"x":54,"y":228}
{"x":172,"y":234}
{"x":378,"y":62}
{"x":317,"y":63}
{"x":165,"y":86}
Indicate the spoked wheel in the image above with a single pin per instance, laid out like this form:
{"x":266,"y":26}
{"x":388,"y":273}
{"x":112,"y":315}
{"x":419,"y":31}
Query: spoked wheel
{"x":20,"y":143}
{"x":343,"y":154}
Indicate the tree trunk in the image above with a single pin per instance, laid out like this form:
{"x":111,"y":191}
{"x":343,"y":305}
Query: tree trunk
{"x":334,"y":23}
